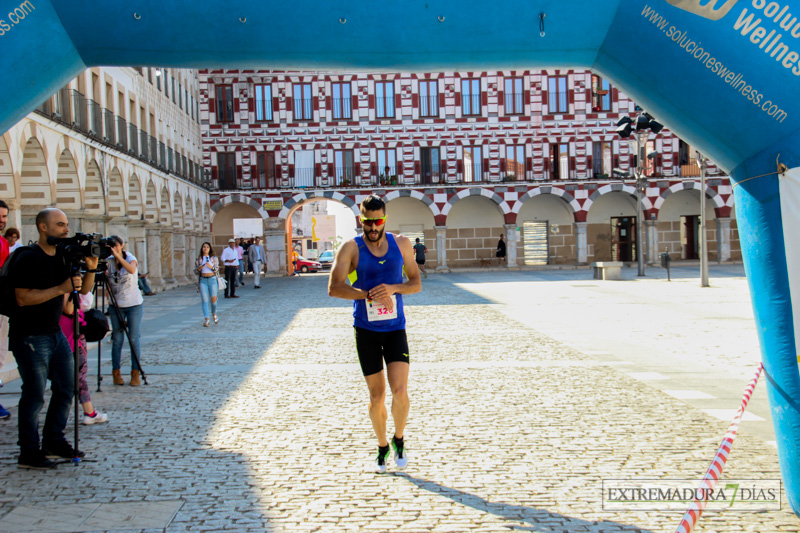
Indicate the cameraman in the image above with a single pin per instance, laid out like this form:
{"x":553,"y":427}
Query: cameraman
{"x":41,"y":276}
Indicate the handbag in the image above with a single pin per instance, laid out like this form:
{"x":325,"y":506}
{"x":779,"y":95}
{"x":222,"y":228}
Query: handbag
{"x":96,"y":325}
{"x":221,"y":283}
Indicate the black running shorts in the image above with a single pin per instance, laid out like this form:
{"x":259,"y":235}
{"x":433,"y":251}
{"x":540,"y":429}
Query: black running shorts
{"x":375,"y":347}
{"x":421,"y":262}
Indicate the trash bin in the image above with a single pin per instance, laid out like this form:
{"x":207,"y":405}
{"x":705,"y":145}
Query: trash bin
{"x":665,"y":259}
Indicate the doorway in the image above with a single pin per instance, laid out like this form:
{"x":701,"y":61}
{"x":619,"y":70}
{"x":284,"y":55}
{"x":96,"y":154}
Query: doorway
{"x":536,"y":247}
{"x":623,"y":238}
{"x":690,"y":232}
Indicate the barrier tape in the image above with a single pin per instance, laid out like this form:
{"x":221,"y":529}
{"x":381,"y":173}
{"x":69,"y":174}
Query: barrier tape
{"x":714,"y":471}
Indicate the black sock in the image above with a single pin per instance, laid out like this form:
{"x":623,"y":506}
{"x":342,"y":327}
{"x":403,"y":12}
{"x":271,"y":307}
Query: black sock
{"x":383,"y":449}
{"x":398,"y":442}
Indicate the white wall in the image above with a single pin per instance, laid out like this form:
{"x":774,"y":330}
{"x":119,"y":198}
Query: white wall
{"x":613,"y":204}
{"x":475,"y":212}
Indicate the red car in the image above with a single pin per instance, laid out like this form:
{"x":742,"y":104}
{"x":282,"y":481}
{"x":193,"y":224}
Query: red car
{"x":306,"y":265}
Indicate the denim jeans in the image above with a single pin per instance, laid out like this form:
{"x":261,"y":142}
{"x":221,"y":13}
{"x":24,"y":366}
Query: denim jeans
{"x":209,"y":288}
{"x":133,"y":316}
{"x":144,"y":285}
{"x":241,"y":271}
{"x":39,"y":358}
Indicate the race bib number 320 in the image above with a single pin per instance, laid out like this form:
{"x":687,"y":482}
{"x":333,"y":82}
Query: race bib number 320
{"x":377,"y":311}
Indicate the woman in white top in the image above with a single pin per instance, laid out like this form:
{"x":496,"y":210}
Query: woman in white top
{"x":123,"y":276}
{"x":206,"y":266}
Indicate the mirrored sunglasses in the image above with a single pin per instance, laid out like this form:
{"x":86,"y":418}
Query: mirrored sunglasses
{"x":374,"y":222}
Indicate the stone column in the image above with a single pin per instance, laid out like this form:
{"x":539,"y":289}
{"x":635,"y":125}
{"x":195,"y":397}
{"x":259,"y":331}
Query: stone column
{"x":441,"y":249}
{"x":153,"y":247}
{"x":15,"y":216}
{"x":192,"y":249}
{"x":167,"y":274}
{"x":136,"y":242}
{"x":723,"y":239}
{"x":275,"y":244}
{"x":651,"y":237}
{"x":581,"y":244}
{"x":511,"y":245}
{"x":179,"y":257}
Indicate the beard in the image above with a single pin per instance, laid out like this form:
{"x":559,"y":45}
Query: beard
{"x":378,"y":237}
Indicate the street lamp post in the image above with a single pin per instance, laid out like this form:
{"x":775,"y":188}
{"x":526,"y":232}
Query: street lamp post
{"x":641,"y":185}
{"x":703,"y":237}
{"x":641,"y":128}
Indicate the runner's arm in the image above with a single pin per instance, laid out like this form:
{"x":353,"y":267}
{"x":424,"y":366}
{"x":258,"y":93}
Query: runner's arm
{"x":342,"y":266}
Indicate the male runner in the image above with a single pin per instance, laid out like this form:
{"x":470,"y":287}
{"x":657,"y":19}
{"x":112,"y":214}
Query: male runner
{"x":378,"y":259}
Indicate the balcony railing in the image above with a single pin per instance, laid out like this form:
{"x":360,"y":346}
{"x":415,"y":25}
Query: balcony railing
{"x":342,"y":109}
{"x":162,"y":156}
{"x":429,"y":106}
{"x":143,"y":145}
{"x":558,"y":102}
{"x":71,"y":108}
{"x":79,"y":120}
{"x":513,"y":103}
{"x":303,"y":108}
{"x":109,"y":135}
{"x":122,"y":134}
{"x":63,"y":107}
{"x":133,"y":140}
{"x":95,"y":119}
{"x":691,"y":169}
{"x":152,"y":150}
{"x":471,"y":104}
{"x":384,"y":107}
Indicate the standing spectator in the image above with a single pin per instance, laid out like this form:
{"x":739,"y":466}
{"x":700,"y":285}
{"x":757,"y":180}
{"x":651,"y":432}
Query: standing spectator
{"x":90,"y":414}
{"x":257,"y":255}
{"x":501,"y":249}
{"x":123,"y":278}
{"x":420,"y":250}
{"x":246,"y":243}
{"x":207,"y":268}
{"x":230,"y":258}
{"x":240,"y":254}
{"x":295,"y":257}
{"x":5,"y":250}
{"x":12,"y":236}
{"x":41,"y":277}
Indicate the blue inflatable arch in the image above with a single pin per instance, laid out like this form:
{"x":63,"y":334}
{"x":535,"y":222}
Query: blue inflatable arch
{"x":722,"y":74}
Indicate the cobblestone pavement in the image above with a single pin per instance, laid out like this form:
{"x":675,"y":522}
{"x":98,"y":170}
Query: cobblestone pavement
{"x":260,"y":423}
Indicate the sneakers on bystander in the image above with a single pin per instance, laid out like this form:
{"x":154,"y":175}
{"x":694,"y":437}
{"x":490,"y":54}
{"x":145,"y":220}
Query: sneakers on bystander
{"x":96,"y":418}
{"x":35,"y":460}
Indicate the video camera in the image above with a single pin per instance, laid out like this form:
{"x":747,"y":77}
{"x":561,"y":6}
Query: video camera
{"x":83,"y":245}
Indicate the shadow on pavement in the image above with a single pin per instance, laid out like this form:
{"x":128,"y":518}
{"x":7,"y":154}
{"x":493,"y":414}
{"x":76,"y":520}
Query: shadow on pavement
{"x":541,"y":521}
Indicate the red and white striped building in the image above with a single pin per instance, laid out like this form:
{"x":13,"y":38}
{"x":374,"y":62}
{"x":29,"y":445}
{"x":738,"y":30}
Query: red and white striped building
{"x":461,"y":157}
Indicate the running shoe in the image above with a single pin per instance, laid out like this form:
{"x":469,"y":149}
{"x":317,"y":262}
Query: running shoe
{"x":400,"y":457}
{"x":380,"y":462}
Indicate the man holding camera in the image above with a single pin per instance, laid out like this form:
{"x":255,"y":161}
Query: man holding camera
{"x":41,"y":276}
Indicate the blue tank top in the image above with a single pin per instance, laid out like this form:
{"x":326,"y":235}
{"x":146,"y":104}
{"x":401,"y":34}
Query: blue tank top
{"x":373,"y":271}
